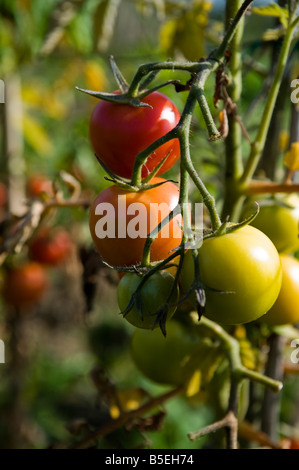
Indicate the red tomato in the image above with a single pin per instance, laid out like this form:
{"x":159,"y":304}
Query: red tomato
{"x":24,"y":285}
{"x":120,"y":221}
{"x":50,"y":246}
{"x":38,"y":184}
{"x":118,"y":132}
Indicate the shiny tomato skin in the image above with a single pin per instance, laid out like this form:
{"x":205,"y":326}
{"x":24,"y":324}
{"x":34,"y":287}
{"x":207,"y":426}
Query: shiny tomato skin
{"x":286,"y":308}
{"x":123,"y":250}
{"x":24,"y":285}
{"x":118,"y":132}
{"x":245,"y":266}
{"x":164,"y":360}
{"x":50,"y":247}
{"x":153,"y":294}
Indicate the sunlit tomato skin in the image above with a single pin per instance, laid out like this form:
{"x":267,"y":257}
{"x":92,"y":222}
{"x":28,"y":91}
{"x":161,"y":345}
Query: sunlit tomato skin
{"x":153,"y":295}
{"x":50,"y":247}
{"x":24,"y":285}
{"x":119,"y":248}
{"x":286,"y":308}
{"x":244,"y":266}
{"x":281,"y":224}
{"x":118,"y":132}
{"x":164,"y":360}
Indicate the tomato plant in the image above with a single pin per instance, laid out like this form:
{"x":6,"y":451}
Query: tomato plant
{"x":286,"y":308}
{"x":153,"y":295}
{"x":118,"y":132}
{"x":50,"y":246}
{"x":119,"y":233}
{"x":162,"y":359}
{"x":280,"y":222}
{"x":24,"y":285}
{"x":244,"y":266}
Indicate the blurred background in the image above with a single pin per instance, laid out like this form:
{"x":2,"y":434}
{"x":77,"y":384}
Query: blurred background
{"x":73,"y":333}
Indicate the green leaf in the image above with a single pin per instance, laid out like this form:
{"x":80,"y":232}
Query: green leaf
{"x":274,"y":10}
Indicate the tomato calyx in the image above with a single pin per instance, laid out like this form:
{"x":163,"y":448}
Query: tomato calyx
{"x":161,"y":315}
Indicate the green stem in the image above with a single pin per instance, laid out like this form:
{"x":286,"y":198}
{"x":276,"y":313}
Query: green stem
{"x":239,"y":372}
{"x":232,"y":27}
{"x":258,"y":145}
{"x":233,"y":142}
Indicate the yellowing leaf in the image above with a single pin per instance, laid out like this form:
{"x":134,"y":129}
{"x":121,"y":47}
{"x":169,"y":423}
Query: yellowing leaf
{"x":36,"y":135}
{"x":291,"y":158}
{"x":284,"y":138}
{"x":194,"y":384}
{"x":186,"y":32}
{"x":273,"y":10}
{"x":45,"y":100}
{"x":126,"y":400}
{"x":95,"y":77}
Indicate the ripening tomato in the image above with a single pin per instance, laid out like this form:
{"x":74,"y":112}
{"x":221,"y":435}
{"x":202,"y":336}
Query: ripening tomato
{"x":118,"y":132}
{"x":244,"y":266}
{"x":3,"y":194}
{"x":281,"y":224}
{"x":50,"y":246}
{"x":153,"y":295}
{"x":38,"y":184}
{"x":120,"y":220}
{"x":24,"y":285}
{"x":286,"y":308}
{"x":162,"y":359}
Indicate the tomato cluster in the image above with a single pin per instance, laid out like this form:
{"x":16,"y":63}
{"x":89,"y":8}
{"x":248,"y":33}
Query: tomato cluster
{"x":25,"y":283}
{"x":121,"y":217}
{"x":235,"y":291}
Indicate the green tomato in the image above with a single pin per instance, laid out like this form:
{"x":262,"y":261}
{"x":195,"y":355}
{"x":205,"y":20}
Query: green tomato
{"x":281,"y":224}
{"x":164,"y":360}
{"x":152,"y":296}
{"x":286,"y":308}
{"x":244,"y":267}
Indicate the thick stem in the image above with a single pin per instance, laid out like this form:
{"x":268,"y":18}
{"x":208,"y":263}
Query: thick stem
{"x":233,"y":141}
{"x":271,"y":402}
{"x":258,"y":145}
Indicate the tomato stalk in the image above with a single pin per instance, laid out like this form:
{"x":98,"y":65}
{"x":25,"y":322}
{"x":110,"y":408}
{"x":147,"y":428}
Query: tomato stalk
{"x":233,"y":141}
{"x":258,"y":145}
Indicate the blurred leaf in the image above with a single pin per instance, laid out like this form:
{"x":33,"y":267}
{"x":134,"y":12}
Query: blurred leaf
{"x":40,"y":98}
{"x":126,"y":400}
{"x":204,"y":361}
{"x":287,"y":331}
{"x":36,"y":135}
{"x":186,"y":33}
{"x":291,"y":158}
{"x":274,"y":10}
{"x":273,"y":34}
{"x":94,"y":75}
{"x":103,"y":23}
